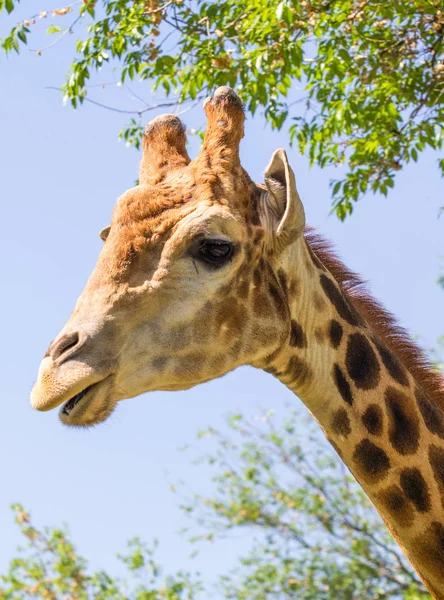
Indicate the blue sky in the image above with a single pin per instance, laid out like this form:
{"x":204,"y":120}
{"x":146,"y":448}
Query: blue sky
{"x":61,"y":172}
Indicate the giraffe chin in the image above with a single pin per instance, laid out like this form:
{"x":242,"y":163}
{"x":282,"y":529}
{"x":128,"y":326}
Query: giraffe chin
{"x":91,"y":406}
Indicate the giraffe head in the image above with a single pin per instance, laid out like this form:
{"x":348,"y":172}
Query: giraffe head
{"x":186,"y":287}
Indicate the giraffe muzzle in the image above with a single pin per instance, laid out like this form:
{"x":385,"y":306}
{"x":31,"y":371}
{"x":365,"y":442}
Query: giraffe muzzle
{"x":84,"y":396}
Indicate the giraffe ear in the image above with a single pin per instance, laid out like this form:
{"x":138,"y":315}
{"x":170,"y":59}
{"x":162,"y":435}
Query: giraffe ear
{"x":281,"y":209}
{"x":104,"y":233}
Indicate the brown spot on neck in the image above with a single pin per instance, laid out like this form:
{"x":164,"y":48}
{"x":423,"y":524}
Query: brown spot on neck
{"x":428,"y":552}
{"x":436,"y":458}
{"x":340,"y":423}
{"x":335,"y":332}
{"x":337,"y":298}
{"x":298,"y":339}
{"x":342,"y":384}
{"x":362,"y":364}
{"x":371,"y":462}
{"x":415,"y":488}
{"x":373,"y":419}
{"x":433,"y":416}
{"x":294,"y":287}
{"x":396,"y":504}
{"x":403,"y":421}
{"x":392,"y":364}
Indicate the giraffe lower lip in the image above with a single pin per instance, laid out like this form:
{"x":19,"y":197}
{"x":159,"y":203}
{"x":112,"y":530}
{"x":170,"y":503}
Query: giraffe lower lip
{"x":72,"y":402}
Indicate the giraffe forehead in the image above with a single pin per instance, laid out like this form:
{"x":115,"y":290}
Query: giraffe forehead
{"x":149,"y":202}
{"x":171,"y":198}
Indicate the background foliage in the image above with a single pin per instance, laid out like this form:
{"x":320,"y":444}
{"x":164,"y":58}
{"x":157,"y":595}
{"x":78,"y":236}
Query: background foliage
{"x":358,"y":83}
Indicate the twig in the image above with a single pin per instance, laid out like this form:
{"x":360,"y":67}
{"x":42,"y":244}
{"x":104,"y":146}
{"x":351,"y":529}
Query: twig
{"x":57,"y":40}
{"x":46,"y":12}
{"x":160,"y":8}
{"x":121,"y":110}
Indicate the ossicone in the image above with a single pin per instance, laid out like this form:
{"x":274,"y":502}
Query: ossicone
{"x":225,"y":129}
{"x":164,"y":148}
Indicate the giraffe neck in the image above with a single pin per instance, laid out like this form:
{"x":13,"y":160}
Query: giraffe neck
{"x":377,"y":417}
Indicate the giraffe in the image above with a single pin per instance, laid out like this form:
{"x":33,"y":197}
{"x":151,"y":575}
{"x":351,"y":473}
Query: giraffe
{"x":202,"y":271}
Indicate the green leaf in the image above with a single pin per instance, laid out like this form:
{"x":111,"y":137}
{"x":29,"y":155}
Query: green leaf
{"x":337,"y":187}
{"x":53,"y":29}
{"x":280,"y":10}
{"x":21,"y":35}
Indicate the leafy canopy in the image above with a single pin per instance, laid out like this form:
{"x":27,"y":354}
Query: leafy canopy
{"x":358,"y":83}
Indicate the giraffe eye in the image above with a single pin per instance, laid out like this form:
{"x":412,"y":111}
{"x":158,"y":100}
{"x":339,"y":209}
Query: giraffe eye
{"x":215,"y":252}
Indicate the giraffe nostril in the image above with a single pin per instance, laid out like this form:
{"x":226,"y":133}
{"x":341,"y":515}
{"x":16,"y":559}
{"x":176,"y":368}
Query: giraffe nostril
{"x":62,"y":346}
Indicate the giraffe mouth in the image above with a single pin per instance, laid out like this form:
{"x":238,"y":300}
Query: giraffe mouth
{"x":90,"y":406}
{"x":70,"y":404}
